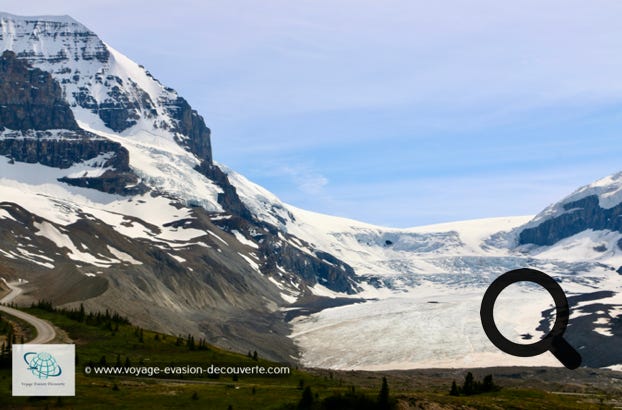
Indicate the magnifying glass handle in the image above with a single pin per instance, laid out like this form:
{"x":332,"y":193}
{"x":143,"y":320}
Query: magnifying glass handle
{"x":565,"y":353}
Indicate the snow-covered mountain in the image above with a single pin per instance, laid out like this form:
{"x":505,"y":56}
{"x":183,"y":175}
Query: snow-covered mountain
{"x":109,"y":196}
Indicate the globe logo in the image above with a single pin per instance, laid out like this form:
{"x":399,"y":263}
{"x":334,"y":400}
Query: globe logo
{"x":42,"y":365}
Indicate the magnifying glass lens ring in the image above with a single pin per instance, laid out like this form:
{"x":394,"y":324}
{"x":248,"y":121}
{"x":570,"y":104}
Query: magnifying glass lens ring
{"x":524,"y":275}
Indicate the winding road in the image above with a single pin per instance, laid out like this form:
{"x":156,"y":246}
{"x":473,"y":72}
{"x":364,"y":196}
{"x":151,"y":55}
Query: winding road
{"x":45,"y":331}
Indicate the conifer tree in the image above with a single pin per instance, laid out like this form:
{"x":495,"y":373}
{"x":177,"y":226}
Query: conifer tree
{"x":306,"y":402}
{"x":468,"y":387}
{"x":383,"y":396}
{"x":454,"y":389}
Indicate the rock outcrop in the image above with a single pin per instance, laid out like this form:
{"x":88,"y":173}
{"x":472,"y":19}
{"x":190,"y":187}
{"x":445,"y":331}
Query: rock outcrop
{"x":30,"y":98}
{"x":580,"y":215}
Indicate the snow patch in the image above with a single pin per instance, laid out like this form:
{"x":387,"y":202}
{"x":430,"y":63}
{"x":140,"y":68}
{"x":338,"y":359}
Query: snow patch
{"x":61,"y":240}
{"x":4,"y":214}
{"x":218,"y":237}
{"x":251,"y":262}
{"x":177,"y":258}
{"x":122,"y":256}
{"x":242,"y":239}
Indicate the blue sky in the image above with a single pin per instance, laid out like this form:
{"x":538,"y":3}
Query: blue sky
{"x":399,"y":113}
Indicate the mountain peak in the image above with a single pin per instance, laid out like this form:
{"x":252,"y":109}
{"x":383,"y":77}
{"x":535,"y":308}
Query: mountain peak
{"x":40,"y":38}
{"x":106,"y":90}
{"x":61,"y":18}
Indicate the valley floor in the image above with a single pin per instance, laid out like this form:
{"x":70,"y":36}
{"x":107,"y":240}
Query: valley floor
{"x":520,"y":387}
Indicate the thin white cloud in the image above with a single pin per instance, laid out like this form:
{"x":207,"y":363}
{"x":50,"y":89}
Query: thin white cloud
{"x":311,"y":183}
{"x":302,"y":176}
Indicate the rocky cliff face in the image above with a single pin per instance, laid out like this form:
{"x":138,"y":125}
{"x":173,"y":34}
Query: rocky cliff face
{"x":580,"y":215}
{"x":62,"y":150}
{"x":190,"y":129}
{"x":39,"y":127}
{"x":597,"y":206}
{"x":31,"y":98}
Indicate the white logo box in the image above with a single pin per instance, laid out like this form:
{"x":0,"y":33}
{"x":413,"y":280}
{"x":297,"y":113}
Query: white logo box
{"x":44,"y":370}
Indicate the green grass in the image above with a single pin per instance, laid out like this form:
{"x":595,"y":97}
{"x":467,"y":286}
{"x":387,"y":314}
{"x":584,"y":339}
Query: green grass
{"x":156,"y":349}
{"x":518,"y":398}
{"x":248,"y":392}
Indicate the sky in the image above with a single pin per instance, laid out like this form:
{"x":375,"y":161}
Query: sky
{"x":397,"y":112}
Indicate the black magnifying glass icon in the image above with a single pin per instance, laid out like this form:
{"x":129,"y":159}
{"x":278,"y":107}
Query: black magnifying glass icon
{"x":553,"y":341}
